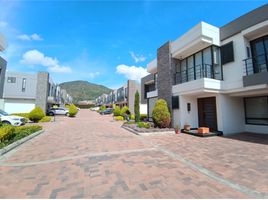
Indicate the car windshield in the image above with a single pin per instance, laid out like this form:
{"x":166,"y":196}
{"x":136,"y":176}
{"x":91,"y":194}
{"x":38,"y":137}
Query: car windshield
{"x":3,"y":113}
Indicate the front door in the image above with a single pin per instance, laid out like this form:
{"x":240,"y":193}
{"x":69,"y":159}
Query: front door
{"x":207,"y":114}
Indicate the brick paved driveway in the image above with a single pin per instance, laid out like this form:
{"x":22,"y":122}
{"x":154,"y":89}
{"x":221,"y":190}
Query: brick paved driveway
{"x":90,"y":156}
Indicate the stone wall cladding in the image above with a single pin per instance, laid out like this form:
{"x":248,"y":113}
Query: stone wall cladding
{"x":3,"y":65}
{"x":144,"y":80}
{"x":165,"y":73}
{"x":42,"y":90}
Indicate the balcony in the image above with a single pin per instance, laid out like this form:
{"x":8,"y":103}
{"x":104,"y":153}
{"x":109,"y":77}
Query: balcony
{"x":152,"y":67}
{"x":197,"y":72}
{"x":256,"y":70}
{"x":199,"y":37}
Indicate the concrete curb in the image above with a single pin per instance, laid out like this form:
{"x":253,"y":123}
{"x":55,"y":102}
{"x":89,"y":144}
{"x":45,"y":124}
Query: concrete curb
{"x":149,"y":133}
{"x":19,"y":142}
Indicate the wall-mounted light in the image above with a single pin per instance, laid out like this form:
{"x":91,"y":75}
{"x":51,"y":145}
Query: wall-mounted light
{"x":188,"y":107}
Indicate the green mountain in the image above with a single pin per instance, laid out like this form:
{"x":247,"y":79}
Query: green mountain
{"x":84,"y":90}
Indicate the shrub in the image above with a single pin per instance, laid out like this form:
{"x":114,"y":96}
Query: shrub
{"x":72,"y":110}
{"x":125,"y":110}
{"x":116,"y":111}
{"x":119,"y":118}
{"x":137,"y":106}
{"x":23,"y":131}
{"x":129,"y":122}
{"x":6,"y":132}
{"x":45,"y":119}
{"x":102,"y":108}
{"x":9,"y":134}
{"x":143,"y":117}
{"x":67,"y":106}
{"x":36,"y":114}
{"x":161,"y":115}
{"x":143,"y":125}
{"x":132,"y":117}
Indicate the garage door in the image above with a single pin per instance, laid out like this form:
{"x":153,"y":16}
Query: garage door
{"x":18,"y":107}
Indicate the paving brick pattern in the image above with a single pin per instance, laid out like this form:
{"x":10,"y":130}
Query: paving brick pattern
{"x":91,"y":156}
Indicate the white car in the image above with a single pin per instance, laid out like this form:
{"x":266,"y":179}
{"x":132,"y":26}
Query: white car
{"x":11,"y":119}
{"x":57,"y":111}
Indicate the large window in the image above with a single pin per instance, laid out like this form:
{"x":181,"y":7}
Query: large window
{"x":203,"y":64}
{"x":259,"y":48}
{"x":256,"y":110}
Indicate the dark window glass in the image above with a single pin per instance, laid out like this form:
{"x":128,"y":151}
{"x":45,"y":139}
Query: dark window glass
{"x":23,"y":85}
{"x":11,"y":79}
{"x":175,"y":102}
{"x":227,"y":53}
{"x":256,"y":110}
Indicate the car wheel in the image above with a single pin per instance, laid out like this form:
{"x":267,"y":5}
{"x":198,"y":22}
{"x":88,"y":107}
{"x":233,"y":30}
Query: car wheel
{"x":51,"y":114}
{"x":6,"y":122}
{"x":67,"y":114}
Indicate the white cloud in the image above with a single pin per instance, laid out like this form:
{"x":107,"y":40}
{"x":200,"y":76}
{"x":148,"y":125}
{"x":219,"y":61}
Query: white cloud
{"x":3,"y":24}
{"x":92,"y":75}
{"x":131,"y":72}
{"x":35,"y":57}
{"x":33,"y":37}
{"x":137,"y":58}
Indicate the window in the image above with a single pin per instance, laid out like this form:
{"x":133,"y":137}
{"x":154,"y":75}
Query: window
{"x":256,"y":110}
{"x":175,"y":102}
{"x":227,"y":53}
{"x":23,"y":85}
{"x":11,"y":79}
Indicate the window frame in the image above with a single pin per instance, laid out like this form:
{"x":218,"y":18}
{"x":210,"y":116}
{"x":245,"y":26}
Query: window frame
{"x":245,"y":109}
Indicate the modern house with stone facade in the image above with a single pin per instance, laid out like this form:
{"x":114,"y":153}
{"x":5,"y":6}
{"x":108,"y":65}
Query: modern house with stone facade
{"x":24,"y":91}
{"x":214,"y":77}
{"x":123,"y":96}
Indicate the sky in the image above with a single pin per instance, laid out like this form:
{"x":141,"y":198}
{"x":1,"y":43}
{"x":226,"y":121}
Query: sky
{"x":103,"y":42}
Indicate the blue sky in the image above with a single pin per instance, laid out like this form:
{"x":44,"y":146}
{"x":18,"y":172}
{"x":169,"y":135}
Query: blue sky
{"x":104,"y":42}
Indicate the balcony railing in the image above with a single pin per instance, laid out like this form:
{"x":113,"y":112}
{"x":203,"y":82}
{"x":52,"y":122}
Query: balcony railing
{"x":256,"y":64}
{"x":197,"y":72}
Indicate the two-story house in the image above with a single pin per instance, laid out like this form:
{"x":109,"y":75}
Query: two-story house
{"x":215,"y":77}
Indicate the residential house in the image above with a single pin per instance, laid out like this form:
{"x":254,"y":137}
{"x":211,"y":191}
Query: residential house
{"x":24,"y":91}
{"x":214,"y":77}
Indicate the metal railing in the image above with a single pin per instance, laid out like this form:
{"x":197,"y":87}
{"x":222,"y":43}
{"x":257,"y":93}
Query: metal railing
{"x":194,"y":73}
{"x":256,"y":64}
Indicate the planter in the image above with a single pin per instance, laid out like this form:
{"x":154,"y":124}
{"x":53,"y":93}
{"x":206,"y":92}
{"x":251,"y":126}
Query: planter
{"x":177,"y":131}
{"x":187,"y":127}
{"x":203,"y":130}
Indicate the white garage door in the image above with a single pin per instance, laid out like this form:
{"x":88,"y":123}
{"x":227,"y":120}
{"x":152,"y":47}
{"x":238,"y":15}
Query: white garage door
{"x":18,"y":107}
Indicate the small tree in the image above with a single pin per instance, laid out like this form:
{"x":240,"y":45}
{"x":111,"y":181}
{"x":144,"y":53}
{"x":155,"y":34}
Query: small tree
{"x":36,"y":114}
{"x":161,"y":115}
{"x":116,"y":111}
{"x":72,"y":110}
{"x":137,"y":106}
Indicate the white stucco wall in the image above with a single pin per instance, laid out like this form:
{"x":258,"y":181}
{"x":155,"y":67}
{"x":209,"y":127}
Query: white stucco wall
{"x":19,"y":106}
{"x":143,"y":108}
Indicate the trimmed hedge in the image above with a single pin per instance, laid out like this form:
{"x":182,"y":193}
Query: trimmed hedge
{"x":119,"y":118}
{"x":117,"y":111}
{"x":36,"y":114}
{"x":161,"y":115}
{"x":73,"y":110}
{"x":10,"y":134}
{"x":125,"y":110}
{"x":45,"y":119}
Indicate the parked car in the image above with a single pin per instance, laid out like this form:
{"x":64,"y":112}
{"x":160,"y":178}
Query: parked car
{"x":57,"y":111}
{"x":107,"y":111}
{"x":11,"y":119}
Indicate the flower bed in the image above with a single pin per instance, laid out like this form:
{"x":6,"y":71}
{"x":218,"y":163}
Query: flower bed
{"x":152,"y":129}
